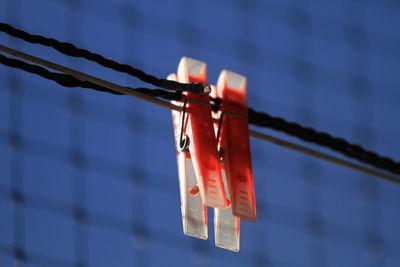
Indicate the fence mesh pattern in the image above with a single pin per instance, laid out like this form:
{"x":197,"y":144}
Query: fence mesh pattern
{"x":90,"y":179}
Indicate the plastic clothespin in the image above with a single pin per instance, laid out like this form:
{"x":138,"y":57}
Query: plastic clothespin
{"x":200,"y":178}
{"x":234,"y":144}
{"x":226,"y":225}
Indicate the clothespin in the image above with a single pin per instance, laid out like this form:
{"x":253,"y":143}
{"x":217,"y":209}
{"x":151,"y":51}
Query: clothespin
{"x":200,"y":179}
{"x":234,"y":149}
{"x":206,"y":147}
{"x":234,"y":143}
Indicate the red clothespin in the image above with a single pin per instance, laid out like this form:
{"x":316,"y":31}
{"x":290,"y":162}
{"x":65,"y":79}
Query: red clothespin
{"x":234,"y":148}
{"x":200,"y":179}
{"x":234,"y":144}
{"x":226,"y":225}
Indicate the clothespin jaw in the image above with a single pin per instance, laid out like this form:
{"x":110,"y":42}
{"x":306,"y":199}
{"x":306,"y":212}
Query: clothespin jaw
{"x":200,"y":178}
{"x":226,"y":226}
{"x":234,"y":144}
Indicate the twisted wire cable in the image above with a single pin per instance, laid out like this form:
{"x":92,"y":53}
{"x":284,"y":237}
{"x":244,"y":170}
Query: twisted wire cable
{"x":256,"y":118}
{"x":71,"y":50}
{"x":324,"y":139}
{"x":70,"y":81}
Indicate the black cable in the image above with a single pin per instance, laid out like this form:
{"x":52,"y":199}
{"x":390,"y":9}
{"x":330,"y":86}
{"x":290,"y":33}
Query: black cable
{"x":71,"y":50}
{"x":70,"y":81}
{"x":255,"y":118}
{"x":324,"y":139}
